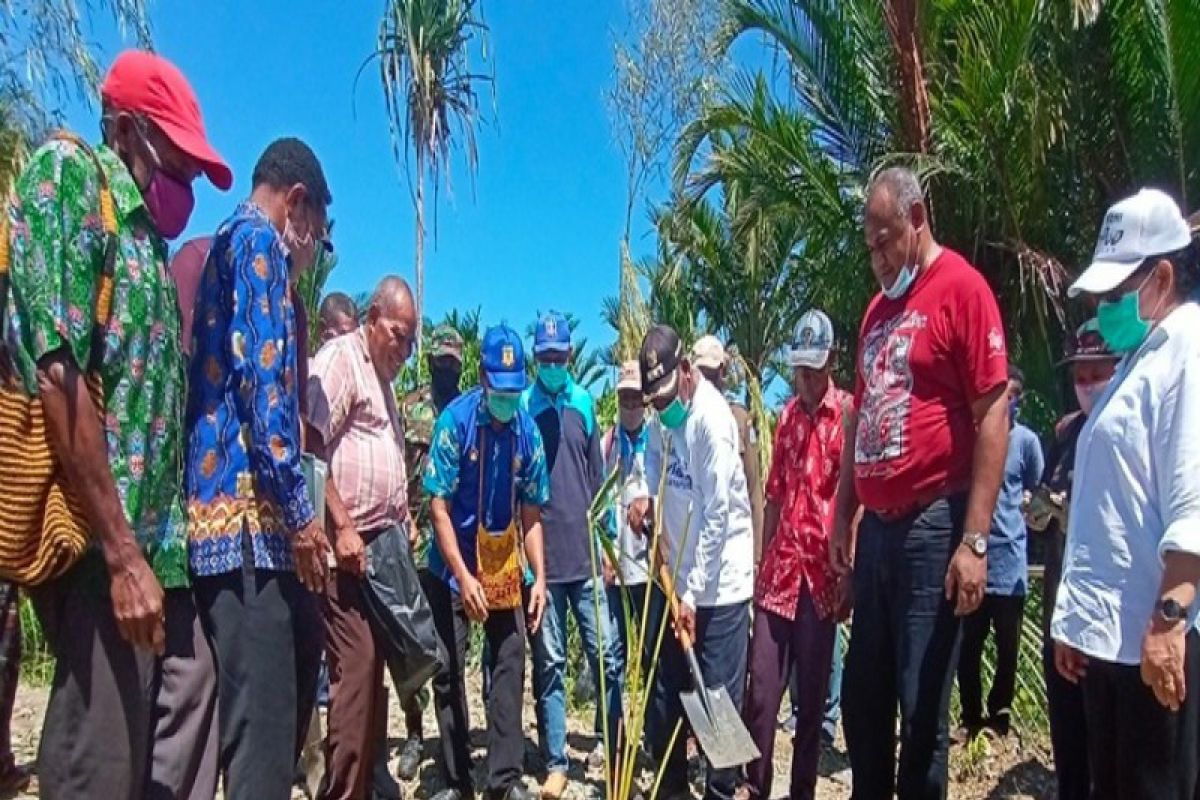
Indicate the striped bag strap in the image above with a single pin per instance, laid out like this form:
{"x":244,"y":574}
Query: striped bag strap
{"x":108,"y":220}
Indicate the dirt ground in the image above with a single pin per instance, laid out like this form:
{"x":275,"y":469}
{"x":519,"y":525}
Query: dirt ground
{"x":986,"y":771}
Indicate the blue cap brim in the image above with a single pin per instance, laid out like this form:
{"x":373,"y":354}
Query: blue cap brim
{"x":506,"y":381}
{"x":551,"y":347}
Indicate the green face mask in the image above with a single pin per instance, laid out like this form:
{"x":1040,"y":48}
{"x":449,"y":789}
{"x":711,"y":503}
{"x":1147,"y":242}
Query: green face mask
{"x":674,"y":415}
{"x":553,"y":376}
{"x":1121,"y":323}
{"x":503,"y":405}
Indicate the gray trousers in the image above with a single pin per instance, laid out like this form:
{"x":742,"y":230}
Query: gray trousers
{"x":183,"y":761}
{"x":97,"y":730}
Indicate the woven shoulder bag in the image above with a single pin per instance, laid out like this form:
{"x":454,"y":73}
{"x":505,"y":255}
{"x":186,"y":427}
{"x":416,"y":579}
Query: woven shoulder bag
{"x":43,"y":527}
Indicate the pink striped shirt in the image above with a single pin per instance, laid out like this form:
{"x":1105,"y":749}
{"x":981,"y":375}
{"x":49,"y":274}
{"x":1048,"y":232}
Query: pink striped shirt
{"x":357,"y":418}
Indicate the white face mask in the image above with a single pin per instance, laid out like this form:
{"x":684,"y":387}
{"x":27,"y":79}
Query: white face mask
{"x":904,"y":280}
{"x":1088,"y":393}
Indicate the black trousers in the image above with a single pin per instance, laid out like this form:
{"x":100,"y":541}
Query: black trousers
{"x":504,"y":632}
{"x":1068,"y":729}
{"x":722,"y":638}
{"x":1002,"y":615}
{"x":1137,"y":749}
{"x":903,"y":649}
{"x":263,"y":626}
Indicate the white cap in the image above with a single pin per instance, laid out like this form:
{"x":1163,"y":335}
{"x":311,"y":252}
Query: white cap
{"x":814,"y":341}
{"x":630,"y":378}
{"x":1147,"y":224}
{"x":708,"y":353}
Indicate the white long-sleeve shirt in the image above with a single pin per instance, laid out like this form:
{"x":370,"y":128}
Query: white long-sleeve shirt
{"x":706,"y":507}
{"x":1136,"y":494}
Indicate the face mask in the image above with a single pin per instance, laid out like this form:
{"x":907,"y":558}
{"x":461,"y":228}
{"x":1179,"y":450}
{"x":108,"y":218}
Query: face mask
{"x":1121,"y":323}
{"x":553,"y":377}
{"x":444,"y":382}
{"x":903,"y":282}
{"x":169,"y":200}
{"x":503,"y":405}
{"x":674,"y":415}
{"x":1088,"y":393}
{"x":632,"y":418}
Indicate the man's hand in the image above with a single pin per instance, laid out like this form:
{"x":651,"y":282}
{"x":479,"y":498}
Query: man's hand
{"x":638,"y":510}
{"x":537,"y":606}
{"x":1069,"y":662}
{"x":1162,"y":662}
{"x":843,"y":599}
{"x":841,"y":549}
{"x":309,"y":550}
{"x":685,"y":623}
{"x":966,"y":578}
{"x":350,"y":551}
{"x":414,"y":533}
{"x":473,"y":599}
{"x":137,"y":600}
{"x":610,"y":574}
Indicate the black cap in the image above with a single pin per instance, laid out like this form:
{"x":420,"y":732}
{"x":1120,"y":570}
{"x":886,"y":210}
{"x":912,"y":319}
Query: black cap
{"x":659,"y":362}
{"x":1086,"y":344}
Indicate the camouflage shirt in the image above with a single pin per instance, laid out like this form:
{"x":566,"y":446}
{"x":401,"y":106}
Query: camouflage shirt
{"x":419,"y":413}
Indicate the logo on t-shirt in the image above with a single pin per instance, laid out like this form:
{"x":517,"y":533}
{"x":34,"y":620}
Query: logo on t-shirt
{"x":887,"y":391}
{"x":995,"y":341}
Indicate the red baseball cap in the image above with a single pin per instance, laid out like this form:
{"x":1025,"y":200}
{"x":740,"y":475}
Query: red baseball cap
{"x":148,"y":84}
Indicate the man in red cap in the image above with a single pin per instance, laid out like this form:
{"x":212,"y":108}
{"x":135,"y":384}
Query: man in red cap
{"x":107,"y":618}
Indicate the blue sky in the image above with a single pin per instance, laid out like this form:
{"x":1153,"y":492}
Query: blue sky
{"x":542,"y":227}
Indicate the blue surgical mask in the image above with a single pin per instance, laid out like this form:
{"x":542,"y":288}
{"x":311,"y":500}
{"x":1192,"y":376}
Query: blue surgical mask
{"x":553,"y":377}
{"x":902,"y":284}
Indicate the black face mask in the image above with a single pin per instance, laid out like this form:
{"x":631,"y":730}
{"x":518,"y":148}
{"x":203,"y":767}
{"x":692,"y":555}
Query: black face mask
{"x":443,"y":381}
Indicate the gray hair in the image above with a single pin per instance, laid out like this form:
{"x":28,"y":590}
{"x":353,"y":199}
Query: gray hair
{"x":903,"y":187}
{"x":391,"y":293}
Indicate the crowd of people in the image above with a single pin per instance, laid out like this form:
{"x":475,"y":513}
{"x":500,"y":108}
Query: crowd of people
{"x":222,"y":583}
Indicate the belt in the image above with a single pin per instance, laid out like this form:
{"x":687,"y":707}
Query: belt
{"x":918,"y":503}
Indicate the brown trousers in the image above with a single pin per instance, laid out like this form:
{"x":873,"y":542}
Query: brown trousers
{"x":357,"y":699}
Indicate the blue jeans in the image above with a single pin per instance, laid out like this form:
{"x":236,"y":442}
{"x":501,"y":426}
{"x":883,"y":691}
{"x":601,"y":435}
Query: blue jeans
{"x":903,"y":650}
{"x":550,"y":666}
{"x":833,"y":703}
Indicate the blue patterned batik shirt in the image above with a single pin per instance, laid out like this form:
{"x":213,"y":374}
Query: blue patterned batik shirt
{"x":243,"y":462}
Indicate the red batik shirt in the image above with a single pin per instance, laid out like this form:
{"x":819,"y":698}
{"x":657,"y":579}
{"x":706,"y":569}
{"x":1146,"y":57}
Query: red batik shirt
{"x":803,"y":484}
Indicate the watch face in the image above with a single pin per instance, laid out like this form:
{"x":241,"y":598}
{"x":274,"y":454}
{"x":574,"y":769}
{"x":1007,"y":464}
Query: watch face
{"x":979,"y":545}
{"x":1172,"y":611}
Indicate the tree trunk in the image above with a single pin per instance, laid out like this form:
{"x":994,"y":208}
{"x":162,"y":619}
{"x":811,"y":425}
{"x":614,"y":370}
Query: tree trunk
{"x":420,"y":256}
{"x":903,"y":25}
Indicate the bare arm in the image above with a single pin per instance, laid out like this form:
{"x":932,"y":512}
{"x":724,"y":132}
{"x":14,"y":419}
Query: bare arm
{"x":991,"y":447}
{"x":846,"y":508}
{"x":531,"y":523}
{"x":346,"y":539}
{"x":78,"y":440}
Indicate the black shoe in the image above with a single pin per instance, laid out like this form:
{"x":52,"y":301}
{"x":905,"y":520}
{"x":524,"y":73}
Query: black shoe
{"x":453,"y":794}
{"x":518,"y":791}
{"x":412,"y":753}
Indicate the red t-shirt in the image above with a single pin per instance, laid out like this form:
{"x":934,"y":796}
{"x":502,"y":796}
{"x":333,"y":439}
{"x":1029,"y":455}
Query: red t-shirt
{"x":922,"y":361}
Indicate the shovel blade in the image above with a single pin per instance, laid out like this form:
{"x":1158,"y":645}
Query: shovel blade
{"x":719,"y":729}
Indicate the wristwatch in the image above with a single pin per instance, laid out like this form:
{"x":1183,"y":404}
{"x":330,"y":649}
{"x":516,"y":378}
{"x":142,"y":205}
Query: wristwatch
{"x":1170,"y":611}
{"x":976,"y":543}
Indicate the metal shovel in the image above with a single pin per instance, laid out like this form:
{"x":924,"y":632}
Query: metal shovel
{"x":715,"y":721}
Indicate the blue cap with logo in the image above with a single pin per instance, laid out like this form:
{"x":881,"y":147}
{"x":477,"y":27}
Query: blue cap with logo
{"x":503,"y":359}
{"x":553,"y":334}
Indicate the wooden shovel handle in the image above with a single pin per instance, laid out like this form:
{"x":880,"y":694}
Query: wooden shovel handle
{"x":668,"y":583}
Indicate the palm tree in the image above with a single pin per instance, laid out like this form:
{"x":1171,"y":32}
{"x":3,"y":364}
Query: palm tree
{"x":431,"y":95}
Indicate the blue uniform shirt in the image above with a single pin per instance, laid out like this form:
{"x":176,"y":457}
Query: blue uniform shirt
{"x":567,"y":423}
{"x":514,"y":453}
{"x":1008,"y":559}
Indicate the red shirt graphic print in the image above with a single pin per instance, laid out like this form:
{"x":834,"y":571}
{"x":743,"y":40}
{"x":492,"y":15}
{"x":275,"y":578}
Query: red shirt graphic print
{"x":923,"y":360}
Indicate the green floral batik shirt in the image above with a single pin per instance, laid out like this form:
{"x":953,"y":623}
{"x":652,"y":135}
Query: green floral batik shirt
{"x":57,"y":252}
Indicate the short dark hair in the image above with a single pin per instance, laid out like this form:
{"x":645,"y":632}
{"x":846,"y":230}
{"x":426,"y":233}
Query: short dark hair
{"x":338,"y":303}
{"x":289,"y":161}
{"x":1015,"y":373}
